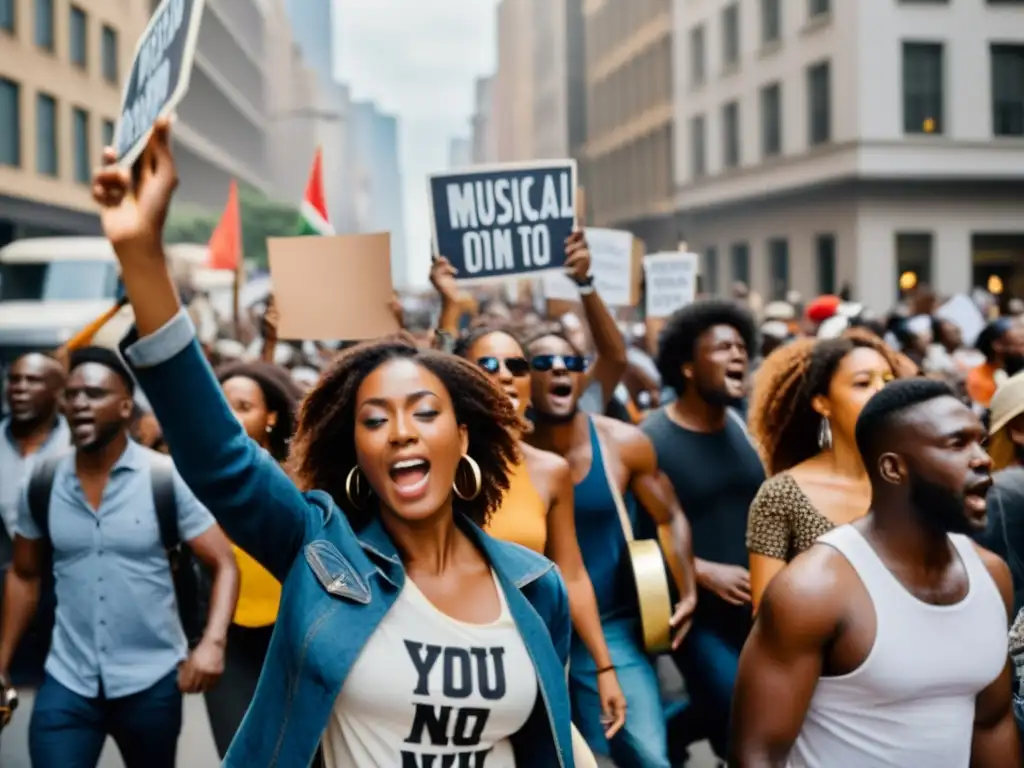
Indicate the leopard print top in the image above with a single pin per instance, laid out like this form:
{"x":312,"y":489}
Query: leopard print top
{"x":782,"y":522}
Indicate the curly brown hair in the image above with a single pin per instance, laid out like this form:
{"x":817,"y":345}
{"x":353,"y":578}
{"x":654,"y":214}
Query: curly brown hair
{"x":323,"y":450}
{"x":782,"y":421}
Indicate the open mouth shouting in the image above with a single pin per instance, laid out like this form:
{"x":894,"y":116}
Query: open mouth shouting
{"x":736,"y":380}
{"x":974,"y":498}
{"x":410,"y":478}
{"x":560,"y":395}
{"x":82,"y":427}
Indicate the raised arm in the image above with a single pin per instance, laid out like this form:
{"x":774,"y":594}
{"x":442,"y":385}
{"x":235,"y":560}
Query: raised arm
{"x":251,"y":497}
{"x":781,"y":662}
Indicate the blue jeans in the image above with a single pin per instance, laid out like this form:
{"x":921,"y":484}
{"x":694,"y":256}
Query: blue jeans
{"x":708,"y":664}
{"x":642,"y":742}
{"x":68,"y":730}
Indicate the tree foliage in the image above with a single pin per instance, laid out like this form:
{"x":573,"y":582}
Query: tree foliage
{"x":261,"y":218}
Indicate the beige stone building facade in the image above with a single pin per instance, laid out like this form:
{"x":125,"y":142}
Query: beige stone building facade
{"x":61,"y":69}
{"x":513,"y":81}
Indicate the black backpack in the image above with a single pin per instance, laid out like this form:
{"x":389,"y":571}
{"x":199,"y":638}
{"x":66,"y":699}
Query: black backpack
{"x":191,"y":580}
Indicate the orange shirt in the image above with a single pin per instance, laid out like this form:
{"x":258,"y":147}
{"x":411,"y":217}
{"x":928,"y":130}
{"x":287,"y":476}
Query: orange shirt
{"x":981,"y":384}
{"x":522,"y":517}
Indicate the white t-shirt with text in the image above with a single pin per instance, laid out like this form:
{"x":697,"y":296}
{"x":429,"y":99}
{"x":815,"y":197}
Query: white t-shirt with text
{"x":429,"y":691}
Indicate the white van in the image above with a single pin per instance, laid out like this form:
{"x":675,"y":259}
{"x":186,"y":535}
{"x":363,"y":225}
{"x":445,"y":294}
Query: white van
{"x":51,"y":287}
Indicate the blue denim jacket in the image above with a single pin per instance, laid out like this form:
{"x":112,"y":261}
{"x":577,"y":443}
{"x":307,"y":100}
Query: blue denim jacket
{"x":337,"y":584}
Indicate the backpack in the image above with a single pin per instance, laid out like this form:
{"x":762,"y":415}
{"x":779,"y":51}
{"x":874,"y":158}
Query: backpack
{"x":191,"y":580}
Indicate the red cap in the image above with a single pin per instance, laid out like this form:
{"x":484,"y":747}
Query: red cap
{"x":822,"y":308}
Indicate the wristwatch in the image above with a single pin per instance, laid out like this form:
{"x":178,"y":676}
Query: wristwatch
{"x":586,"y":285}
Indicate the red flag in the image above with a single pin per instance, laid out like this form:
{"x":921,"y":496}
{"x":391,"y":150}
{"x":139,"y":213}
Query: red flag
{"x":225,"y":247}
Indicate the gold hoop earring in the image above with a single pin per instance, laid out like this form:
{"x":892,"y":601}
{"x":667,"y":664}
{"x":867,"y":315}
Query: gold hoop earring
{"x":478,"y":482}
{"x":354,"y":475}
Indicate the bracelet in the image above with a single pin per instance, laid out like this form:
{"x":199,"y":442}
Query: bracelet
{"x":586,"y":290}
{"x":609,"y":668}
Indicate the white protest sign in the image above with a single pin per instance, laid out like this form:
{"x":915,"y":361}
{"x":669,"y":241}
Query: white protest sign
{"x":671,"y":280}
{"x":962,"y":312}
{"x":611,"y":253}
{"x":159,"y":75}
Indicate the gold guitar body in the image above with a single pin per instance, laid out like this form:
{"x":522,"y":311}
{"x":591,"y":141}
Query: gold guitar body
{"x":654,"y":596}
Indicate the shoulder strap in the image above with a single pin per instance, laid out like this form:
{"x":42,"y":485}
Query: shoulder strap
{"x":613,"y":486}
{"x":161,"y":473}
{"x":40,"y":489}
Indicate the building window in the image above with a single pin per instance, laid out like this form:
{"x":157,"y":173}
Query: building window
{"x":83,"y":156}
{"x":697,"y":56}
{"x":109,"y":44}
{"x":44,"y":24}
{"x":771,"y":20}
{"x":818,"y":7}
{"x":710,"y":271}
{"x":825,"y":255}
{"x":697,"y":147}
{"x":819,"y":102}
{"x":731,"y":35}
{"x":108,"y":133}
{"x":1008,"y":90}
{"x":778,"y":268}
{"x":739,"y":256}
{"x":10,"y":123}
{"x":7,"y":15}
{"x":922,"y":88}
{"x":731,"y":134}
{"x":913,"y":260}
{"x":46,"y":135}
{"x":771,"y":120}
{"x":78,"y":35}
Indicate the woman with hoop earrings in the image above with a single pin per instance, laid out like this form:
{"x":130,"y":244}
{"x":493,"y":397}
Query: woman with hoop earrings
{"x":405,"y":635}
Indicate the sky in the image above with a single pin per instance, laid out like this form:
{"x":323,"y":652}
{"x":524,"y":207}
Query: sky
{"x":417,"y":59}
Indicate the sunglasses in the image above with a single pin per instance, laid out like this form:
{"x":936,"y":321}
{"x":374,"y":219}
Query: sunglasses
{"x":571,"y":363}
{"x":517,"y":366}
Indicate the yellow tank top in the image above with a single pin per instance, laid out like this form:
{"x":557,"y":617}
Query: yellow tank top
{"x":259,"y":593}
{"x":522,"y":517}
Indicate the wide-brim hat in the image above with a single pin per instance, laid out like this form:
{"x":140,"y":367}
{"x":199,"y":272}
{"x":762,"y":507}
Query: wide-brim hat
{"x":1007,"y":404}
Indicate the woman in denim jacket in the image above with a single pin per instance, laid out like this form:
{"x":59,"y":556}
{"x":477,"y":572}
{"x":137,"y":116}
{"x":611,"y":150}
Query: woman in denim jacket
{"x":406,"y":636}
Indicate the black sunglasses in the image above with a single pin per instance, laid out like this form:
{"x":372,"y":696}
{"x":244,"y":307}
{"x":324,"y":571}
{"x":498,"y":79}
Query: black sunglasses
{"x":517,"y":366}
{"x":572,"y":363}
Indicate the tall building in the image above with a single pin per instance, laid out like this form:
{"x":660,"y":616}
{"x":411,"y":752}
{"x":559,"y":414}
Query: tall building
{"x":513,"y":81}
{"x":61,"y":70}
{"x":221,"y":128}
{"x":868,"y":144}
{"x":374,"y":146}
{"x":628,"y":167}
{"x":485,"y":124}
{"x":559,"y":79}
{"x":460,"y":153}
{"x":312,"y":27}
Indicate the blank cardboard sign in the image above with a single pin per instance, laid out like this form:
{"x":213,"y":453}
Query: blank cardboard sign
{"x":336,"y":287}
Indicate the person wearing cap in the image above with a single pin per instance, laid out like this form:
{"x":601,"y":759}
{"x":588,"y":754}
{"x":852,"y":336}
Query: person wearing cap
{"x":1004,"y":531}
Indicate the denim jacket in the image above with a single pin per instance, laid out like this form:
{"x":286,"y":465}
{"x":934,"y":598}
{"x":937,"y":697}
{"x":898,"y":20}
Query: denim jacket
{"x":337,"y":583}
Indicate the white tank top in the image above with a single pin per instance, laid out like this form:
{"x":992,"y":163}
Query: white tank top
{"x":910,"y":704}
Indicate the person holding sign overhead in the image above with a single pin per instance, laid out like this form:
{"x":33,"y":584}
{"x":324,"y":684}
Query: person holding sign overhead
{"x":405,"y":633}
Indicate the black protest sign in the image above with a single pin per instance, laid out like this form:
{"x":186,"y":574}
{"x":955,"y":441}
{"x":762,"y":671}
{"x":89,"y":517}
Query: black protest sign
{"x":503,"y":220}
{"x":158,"y":79}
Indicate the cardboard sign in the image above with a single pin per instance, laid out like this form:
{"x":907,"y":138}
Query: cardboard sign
{"x":501,"y":221}
{"x":671,"y":280}
{"x":158,"y":79}
{"x":611,"y":260}
{"x":333,"y":287}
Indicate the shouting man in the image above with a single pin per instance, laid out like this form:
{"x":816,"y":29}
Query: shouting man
{"x":885,"y":644}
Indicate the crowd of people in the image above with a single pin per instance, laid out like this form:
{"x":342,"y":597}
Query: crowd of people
{"x":416,"y":551}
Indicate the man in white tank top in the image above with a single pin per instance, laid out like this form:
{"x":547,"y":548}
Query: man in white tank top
{"x":885,"y":644}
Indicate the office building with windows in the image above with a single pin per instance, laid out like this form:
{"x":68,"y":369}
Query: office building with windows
{"x":627,"y":158}
{"x":559,"y":85}
{"x":61,"y":69}
{"x":873,"y":144}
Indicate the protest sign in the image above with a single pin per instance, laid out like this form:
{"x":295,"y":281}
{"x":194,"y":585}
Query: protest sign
{"x":671,"y":281}
{"x":158,"y":78}
{"x":611,"y":260}
{"x":332,"y":287}
{"x":503,"y":220}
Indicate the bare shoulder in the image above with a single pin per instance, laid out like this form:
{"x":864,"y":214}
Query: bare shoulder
{"x":999,"y":571}
{"x":620,"y":432}
{"x":545,"y":463}
{"x":809,"y":597}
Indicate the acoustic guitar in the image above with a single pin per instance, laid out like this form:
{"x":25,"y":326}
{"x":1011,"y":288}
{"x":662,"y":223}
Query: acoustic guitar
{"x":651,"y":574}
